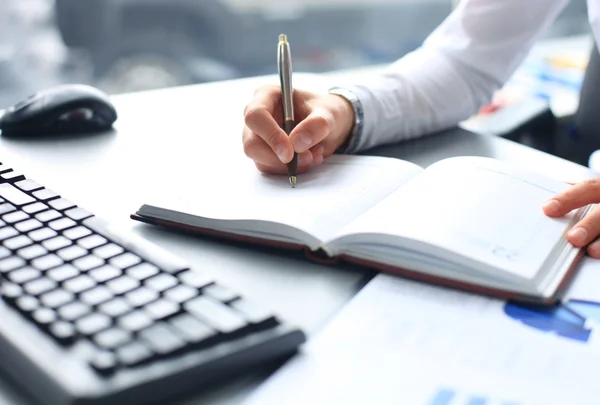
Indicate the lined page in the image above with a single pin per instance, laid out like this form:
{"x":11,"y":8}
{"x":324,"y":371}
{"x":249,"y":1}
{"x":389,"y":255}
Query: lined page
{"x":323,"y":201}
{"x":478,"y":207}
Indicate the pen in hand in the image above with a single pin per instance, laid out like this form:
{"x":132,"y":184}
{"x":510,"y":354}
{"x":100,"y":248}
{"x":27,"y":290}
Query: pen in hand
{"x":284,"y":64}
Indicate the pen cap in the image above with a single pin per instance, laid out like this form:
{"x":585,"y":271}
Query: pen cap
{"x":284,"y":64}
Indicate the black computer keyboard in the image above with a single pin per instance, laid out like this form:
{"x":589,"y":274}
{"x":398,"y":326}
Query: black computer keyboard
{"x":90,"y":315}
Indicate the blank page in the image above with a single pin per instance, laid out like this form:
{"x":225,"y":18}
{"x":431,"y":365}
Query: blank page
{"x":323,"y":201}
{"x":477,"y":207}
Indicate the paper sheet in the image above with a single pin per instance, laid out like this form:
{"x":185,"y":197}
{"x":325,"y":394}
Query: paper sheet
{"x":402,"y":342}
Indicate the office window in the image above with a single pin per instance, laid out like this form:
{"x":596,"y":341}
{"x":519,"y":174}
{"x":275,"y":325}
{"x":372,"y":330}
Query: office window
{"x":122,"y":46}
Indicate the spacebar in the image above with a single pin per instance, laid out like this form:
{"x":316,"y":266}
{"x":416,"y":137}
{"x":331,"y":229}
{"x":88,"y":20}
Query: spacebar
{"x":138,"y":245}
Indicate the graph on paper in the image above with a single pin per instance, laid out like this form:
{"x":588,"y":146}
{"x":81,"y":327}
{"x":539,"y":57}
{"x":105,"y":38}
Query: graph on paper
{"x":449,"y":396}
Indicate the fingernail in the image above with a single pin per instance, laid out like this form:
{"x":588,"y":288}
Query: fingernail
{"x":281,"y":153}
{"x":302,"y":142}
{"x":551,"y":206}
{"x":578,"y":235}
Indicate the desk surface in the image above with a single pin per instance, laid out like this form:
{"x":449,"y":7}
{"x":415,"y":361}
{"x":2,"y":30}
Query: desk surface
{"x":180,"y":134}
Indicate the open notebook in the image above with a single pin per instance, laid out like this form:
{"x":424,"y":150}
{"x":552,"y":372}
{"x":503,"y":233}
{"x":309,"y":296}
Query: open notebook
{"x":467,"y":222}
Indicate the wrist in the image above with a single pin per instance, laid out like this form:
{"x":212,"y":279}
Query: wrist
{"x":351,"y":118}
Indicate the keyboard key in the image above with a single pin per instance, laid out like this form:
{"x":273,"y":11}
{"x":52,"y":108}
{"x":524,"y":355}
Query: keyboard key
{"x":14,"y":196}
{"x":14,"y":216}
{"x":45,"y":194}
{"x":79,"y":284}
{"x":104,"y":362}
{"x":27,"y":303}
{"x":77,"y":214}
{"x":4,"y":252}
{"x":11,"y":263}
{"x":122,"y":284}
{"x":252,"y":312}
{"x":35,"y":207}
{"x":73,"y":311}
{"x":194,"y":279}
{"x":141,"y":296}
{"x":28,"y":185}
{"x":93,"y":323}
{"x":193,"y":330}
{"x":61,"y":204}
{"x":62,"y":223}
{"x":31,"y":252}
{"x":62,"y":273}
{"x":63,"y":332}
{"x":162,"y":309}
{"x":216,"y":314}
{"x":105,"y":273}
{"x":28,"y":225}
{"x":162,"y":339}
{"x":125,"y":260}
{"x":6,"y":207}
{"x":12,"y":176}
{"x":56,"y":298}
{"x":56,"y":243}
{"x":88,"y":262}
{"x":21,"y":276}
{"x":161,"y":282}
{"x":77,"y":232}
{"x":219,"y":292}
{"x":48,"y":215}
{"x":142,"y":271}
{"x":135,"y":321}
{"x":10,"y":291}
{"x":181,"y":293}
{"x":92,"y":241}
{"x":46,"y":262}
{"x":17,"y":242}
{"x":112,"y":338}
{"x":72,"y":252}
{"x":8,"y":232}
{"x":134,"y":353}
{"x":42,"y":234}
{"x":44,"y":316}
{"x":108,"y":251}
{"x":97,"y":295}
{"x":40,"y":286}
{"x":115,"y":307}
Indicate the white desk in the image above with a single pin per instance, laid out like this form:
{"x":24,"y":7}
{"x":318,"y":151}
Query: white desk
{"x":181,"y":134}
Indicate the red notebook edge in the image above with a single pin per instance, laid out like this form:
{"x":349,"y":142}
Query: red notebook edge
{"x":372,"y":265}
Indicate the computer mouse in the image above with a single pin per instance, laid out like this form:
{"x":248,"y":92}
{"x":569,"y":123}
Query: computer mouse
{"x":62,"y":109}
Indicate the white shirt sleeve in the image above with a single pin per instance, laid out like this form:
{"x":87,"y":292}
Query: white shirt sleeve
{"x":455,"y":71}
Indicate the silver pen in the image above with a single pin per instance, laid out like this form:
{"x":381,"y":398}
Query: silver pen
{"x":284,"y":64}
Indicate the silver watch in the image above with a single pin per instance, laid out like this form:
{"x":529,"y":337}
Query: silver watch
{"x":359,"y":115}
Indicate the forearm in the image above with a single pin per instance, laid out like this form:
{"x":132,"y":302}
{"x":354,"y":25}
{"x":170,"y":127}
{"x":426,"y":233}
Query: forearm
{"x":454,"y":73}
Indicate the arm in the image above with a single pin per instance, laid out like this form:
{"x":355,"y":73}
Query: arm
{"x":455,"y":72}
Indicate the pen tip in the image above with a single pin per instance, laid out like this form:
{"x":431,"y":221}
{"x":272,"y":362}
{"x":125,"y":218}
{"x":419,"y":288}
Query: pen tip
{"x":282,"y":38}
{"x":293,"y":181}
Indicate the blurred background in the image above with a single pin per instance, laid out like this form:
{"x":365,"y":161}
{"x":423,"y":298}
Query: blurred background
{"x":130,"y":45}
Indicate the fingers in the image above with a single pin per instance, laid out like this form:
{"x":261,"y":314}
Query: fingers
{"x":586,"y":230}
{"x":259,"y":117}
{"x":311,"y":130}
{"x":306,"y":161}
{"x":581,"y":194}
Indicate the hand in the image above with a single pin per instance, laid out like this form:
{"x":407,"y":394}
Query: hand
{"x":586,"y":231}
{"x":324,"y":122}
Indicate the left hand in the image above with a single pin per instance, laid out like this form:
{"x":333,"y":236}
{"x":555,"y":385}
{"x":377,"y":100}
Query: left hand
{"x":586,"y":231}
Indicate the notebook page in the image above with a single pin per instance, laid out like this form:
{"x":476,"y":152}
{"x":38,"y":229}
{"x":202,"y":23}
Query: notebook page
{"x":324,"y":199}
{"x":478,"y":207}
{"x":403,"y":342}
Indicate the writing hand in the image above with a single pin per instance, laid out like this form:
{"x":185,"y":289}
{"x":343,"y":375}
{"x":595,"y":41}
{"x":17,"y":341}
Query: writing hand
{"x":586,"y":231}
{"x":324,"y":123}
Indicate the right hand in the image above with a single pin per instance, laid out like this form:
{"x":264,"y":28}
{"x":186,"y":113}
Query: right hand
{"x":324,"y":122}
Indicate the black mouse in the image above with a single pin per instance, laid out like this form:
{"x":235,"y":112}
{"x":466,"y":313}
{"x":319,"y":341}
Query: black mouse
{"x":62,"y":109}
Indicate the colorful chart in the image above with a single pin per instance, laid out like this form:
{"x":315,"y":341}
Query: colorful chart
{"x":569,"y":320}
{"x":448,"y":396}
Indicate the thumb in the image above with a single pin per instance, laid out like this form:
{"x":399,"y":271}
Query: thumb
{"x":312,"y":130}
